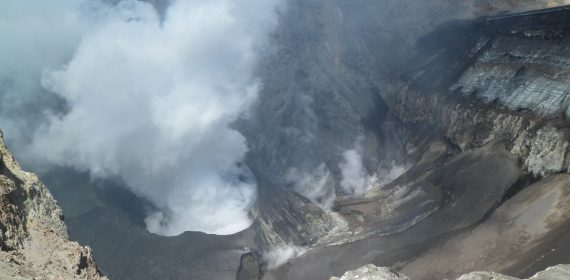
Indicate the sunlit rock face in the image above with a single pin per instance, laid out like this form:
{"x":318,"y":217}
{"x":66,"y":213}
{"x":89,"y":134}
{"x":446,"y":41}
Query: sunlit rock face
{"x":33,"y":239}
{"x":559,"y":272}
{"x":371,"y":272}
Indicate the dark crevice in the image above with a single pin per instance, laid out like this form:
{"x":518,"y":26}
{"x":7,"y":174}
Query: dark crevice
{"x":83,"y":264}
{"x":524,"y":181}
{"x":251,"y":267}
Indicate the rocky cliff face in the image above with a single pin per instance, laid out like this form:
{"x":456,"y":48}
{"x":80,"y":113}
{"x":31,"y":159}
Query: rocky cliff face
{"x":511,"y":88}
{"x":33,"y":237}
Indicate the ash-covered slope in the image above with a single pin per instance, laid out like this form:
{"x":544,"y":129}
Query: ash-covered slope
{"x":334,"y":83}
{"x":460,"y":207}
{"x":321,"y":98}
{"x":110,"y":219}
{"x":33,"y":237}
{"x":531,"y":224}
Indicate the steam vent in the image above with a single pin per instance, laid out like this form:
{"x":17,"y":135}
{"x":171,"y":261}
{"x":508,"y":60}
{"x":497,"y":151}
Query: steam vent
{"x":285,"y":140}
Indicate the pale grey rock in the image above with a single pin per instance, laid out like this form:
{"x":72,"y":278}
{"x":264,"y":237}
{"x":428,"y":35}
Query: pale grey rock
{"x":483,"y":275}
{"x":33,"y":238}
{"x":542,"y":146}
{"x":372,"y":272}
{"x":547,"y":151}
{"x":559,"y":272}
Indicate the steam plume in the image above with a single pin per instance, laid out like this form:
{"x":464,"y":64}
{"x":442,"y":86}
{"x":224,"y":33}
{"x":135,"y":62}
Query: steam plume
{"x":151,"y":101}
{"x":317,"y":186}
{"x":355,"y":179}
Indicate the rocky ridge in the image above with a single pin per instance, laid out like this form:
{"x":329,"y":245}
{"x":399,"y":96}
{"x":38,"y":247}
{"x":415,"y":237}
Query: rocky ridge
{"x":371,"y":272}
{"x":34,"y":242}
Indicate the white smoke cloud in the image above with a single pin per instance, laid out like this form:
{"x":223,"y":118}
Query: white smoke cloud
{"x":317,"y":186}
{"x":151,"y":100}
{"x":386,"y":176}
{"x":355,"y":179}
{"x":282,"y":254}
{"x":36,"y":35}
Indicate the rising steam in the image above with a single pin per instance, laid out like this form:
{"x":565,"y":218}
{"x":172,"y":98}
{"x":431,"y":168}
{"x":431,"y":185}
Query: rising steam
{"x":355,"y":179}
{"x":317,"y":185}
{"x":149,"y":100}
{"x":320,"y":187}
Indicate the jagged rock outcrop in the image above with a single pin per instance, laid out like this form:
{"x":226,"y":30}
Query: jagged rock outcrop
{"x":372,"y":272}
{"x":541,"y":144}
{"x":559,"y":272}
{"x":33,"y":237}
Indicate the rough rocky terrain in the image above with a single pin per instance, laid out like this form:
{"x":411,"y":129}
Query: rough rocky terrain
{"x":331,"y":81}
{"x":372,"y":272}
{"x":33,"y":237}
{"x":455,"y":210}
